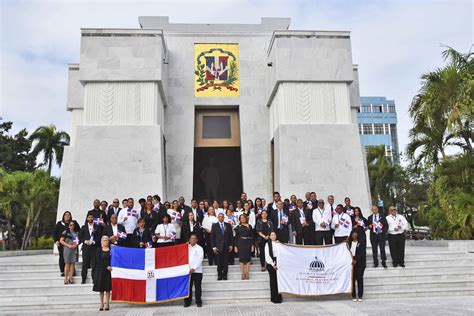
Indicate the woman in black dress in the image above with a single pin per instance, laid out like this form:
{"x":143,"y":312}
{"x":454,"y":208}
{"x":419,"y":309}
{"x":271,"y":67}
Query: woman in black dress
{"x":264,"y":227}
{"x":103,"y":277}
{"x":61,"y":226}
{"x":359,"y":257}
{"x":244,"y":243}
{"x":190,"y":227}
{"x":272,"y":248}
{"x":360,"y":225}
{"x":150,"y":216}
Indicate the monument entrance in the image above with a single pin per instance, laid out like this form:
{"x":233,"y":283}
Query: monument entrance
{"x":217,"y":158}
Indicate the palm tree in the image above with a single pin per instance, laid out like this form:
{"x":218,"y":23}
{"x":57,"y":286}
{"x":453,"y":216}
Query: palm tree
{"x":443,"y":109}
{"x":50,"y":142}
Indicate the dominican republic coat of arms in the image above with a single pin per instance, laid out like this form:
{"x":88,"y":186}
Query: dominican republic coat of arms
{"x":216,"y":70}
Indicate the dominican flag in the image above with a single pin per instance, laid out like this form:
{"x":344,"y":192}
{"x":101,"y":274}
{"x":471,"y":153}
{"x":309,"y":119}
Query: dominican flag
{"x":121,"y":235}
{"x":378,"y":226}
{"x":344,"y":223}
{"x":150,"y":275}
{"x":99,"y":221}
{"x":175,"y":216}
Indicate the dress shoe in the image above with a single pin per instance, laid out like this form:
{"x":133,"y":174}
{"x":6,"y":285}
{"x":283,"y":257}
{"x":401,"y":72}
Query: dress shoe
{"x":83,"y":282}
{"x":199,"y":304}
{"x":384,"y":265}
{"x":62,"y":274}
{"x":376,"y":265}
{"x":219,"y":279}
{"x":224,"y":278}
{"x":402,"y":265}
{"x":187,"y":305}
{"x":394,"y":265}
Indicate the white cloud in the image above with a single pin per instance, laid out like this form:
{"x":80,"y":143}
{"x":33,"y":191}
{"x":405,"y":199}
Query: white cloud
{"x":394,"y":42}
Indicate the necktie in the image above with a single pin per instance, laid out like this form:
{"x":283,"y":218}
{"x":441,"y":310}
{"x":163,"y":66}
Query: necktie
{"x":279,"y":219}
{"x":222,"y":228}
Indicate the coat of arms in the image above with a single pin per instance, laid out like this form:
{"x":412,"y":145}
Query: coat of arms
{"x":216,"y":70}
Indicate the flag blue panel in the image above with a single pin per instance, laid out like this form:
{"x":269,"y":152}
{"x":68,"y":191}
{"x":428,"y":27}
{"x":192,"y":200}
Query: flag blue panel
{"x":128,"y":258}
{"x":170,"y":288}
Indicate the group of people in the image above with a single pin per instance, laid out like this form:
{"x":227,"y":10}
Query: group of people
{"x":222,"y":231}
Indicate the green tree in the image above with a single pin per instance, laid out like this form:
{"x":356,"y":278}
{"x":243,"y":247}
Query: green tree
{"x":15,"y":150}
{"x":50,"y":142}
{"x":442,"y":111}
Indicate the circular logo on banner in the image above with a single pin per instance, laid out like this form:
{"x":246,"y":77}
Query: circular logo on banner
{"x":316,"y":265}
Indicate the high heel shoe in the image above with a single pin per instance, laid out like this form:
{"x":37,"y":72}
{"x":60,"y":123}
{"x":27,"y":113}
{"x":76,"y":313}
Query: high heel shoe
{"x":107,"y":308}
{"x":101,"y":308}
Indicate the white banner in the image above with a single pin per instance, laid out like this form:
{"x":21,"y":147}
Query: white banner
{"x":314,"y":270}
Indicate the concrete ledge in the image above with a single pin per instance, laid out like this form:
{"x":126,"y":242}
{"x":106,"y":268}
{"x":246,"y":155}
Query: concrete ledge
{"x":17,"y":253}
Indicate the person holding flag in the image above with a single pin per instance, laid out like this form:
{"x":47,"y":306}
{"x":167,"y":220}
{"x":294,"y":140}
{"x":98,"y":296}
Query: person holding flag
{"x":176,"y":214}
{"x":98,"y":213}
{"x":89,"y":236}
{"x":196,"y":256}
{"x":116,"y":232}
{"x":322,"y":221}
{"x":342,"y":225}
{"x":165,"y":232}
{"x":70,"y":241}
{"x":378,"y":229}
{"x":128,"y":218}
{"x":280,"y":220}
{"x":141,"y":236}
{"x":360,"y":224}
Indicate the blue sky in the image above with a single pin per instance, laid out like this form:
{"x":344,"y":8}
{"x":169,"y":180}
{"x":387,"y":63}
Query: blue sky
{"x":393,"y":42}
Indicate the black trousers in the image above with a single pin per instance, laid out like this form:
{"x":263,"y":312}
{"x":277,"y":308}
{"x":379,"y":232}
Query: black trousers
{"x":88,"y":261}
{"x":325,"y":236}
{"x":222,"y":259}
{"x":61,"y":258}
{"x":211,"y":256}
{"x":261,"y":245}
{"x":309,"y":236}
{"x":339,"y":240}
{"x":378,"y":241}
{"x":283,"y":234}
{"x":358,"y":276}
{"x":396,"y":243}
{"x":299,"y":239}
{"x":196,"y":280}
{"x":274,"y":296}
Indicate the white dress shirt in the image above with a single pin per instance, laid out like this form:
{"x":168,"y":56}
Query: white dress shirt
{"x":276,"y":248}
{"x":328,"y":208}
{"x":320,"y":216}
{"x":396,"y":221}
{"x":165,"y":230}
{"x":130,"y":223}
{"x":114,"y":229}
{"x":208,"y":221}
{"x":196,"y":255}
{"x":341,"y":230}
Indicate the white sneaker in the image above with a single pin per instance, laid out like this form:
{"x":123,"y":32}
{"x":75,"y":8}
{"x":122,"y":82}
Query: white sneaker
{"x":360,"y":300}
{"x":354,"y":300}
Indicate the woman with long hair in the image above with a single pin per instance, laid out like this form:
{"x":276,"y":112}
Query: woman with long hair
{"x":244,"y":242}
{"x":70,"y":241}
{"x":271,"y":255}
{"x":191,"y":227}
{"x":150,"y":216}
{"x":103,"y":278}
{"x":359,"y":257}
{"x":61,"y":226}
{"x":263,"y":227}
{"x":207,"y":223}
{"x":360,"y":224}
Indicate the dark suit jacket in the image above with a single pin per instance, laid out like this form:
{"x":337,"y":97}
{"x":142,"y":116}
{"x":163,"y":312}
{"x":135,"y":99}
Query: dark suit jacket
{"x":136,"y":238}
{"x":274,"y":218}
{"x":108,"y":231}
{"x":219,"y":240}
{"x":161,"y":211}
{"x":110,"y":212}
{"x":84,"y":235}
{"x":295,"y":221}
{"x":383,"y":220}
{"x":186,"y":230}
{"x":360,"y":255}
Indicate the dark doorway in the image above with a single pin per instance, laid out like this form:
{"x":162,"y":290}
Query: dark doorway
{"x":217,"y":173}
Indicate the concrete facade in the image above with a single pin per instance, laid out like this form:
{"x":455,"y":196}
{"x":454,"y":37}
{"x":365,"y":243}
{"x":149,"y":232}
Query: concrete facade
{"x":133,"y":112}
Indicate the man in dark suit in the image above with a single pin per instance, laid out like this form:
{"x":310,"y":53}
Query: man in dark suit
{"x":222,"y":241}
{"x":182,"y":206}
{"x":115,"y":232}
{"x":159,"y":208}
{"x":273,"y":205}
{"x":89,"y":237}
{"x":299,"y":223}
{"x":378,"y":234}
{"x":97,"y":213}
{"x":280,"y":221}
{"x":114,"y":208}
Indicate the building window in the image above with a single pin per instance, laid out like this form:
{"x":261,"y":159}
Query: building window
{"x":216,"y":127}
{"x":360,"y":128}
{"x":365,"y":109}
{"x":391,"y":108}
{"x":367,"y":129}
{"x":388,"y":151}
{"x":378,"y":129}
{"x":377,"y":109}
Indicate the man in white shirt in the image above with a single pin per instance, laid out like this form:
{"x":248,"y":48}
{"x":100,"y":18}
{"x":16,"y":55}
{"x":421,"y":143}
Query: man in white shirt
{"x":322,"y":220}
{"x":397,"y":224}
{"x":196,"y":255}
{"x":342,"y":225}
{"x":128,"y":218}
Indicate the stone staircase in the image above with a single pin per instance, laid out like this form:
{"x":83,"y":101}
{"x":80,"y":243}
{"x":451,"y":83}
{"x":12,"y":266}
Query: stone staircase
{"x":32,"y":283}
